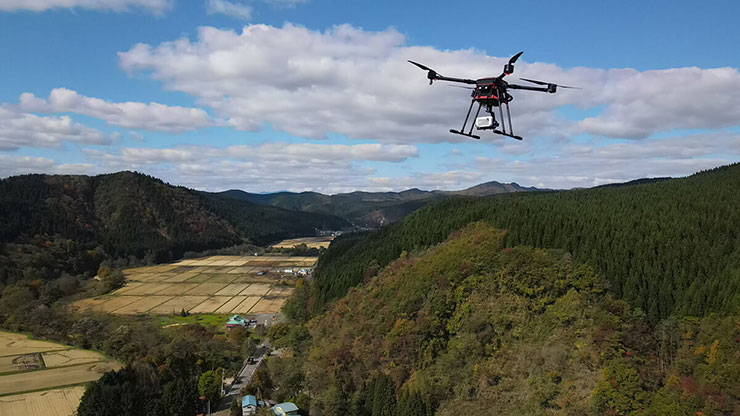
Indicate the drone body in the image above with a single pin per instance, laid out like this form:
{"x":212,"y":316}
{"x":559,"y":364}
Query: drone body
{"x":491,"y":93}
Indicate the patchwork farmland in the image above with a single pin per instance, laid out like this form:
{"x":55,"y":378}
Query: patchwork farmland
{"x":43,"y":378}
{"x":216,"y":284}
{"x":310,"y":242}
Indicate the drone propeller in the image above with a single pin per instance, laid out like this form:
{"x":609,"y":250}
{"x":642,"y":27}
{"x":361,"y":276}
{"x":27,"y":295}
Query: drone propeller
{"x":549,"y":84}
{"x":431,"y":74}
{"x":460,"y":86}
{"x":509,"y":67}
{"x":515,"y":57}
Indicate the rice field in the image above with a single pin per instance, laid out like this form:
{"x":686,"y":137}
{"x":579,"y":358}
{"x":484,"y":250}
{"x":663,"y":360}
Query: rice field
{"x":57,"y":402}
{"x":215,"y":284}
{"x":33,"y":373}
{"x":310,"y":242}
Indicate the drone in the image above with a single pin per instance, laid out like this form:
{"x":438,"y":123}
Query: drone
{"x":490,"y":93}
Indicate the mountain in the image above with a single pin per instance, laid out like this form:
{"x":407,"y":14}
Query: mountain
{"x":471,"y":326}
{"x":74,"y":221}
{"x":666,"y":247}
{"x":368,"y":209}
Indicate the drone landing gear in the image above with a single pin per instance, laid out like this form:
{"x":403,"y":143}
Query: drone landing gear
{"x":488,"y":122}
{"x":464,"y":134}
{"x":507,"y":134}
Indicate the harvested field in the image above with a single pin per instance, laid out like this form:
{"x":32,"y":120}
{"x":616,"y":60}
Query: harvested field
{"x":57,"y":402}
{"x":246,"y":305}
{"x":34,"y":380}
{"x":266,"y":305}
{"x":256,"y":289}
{"x":211,"y":304}
{"x":250,"y":278}
{"x":209,"y":281}
{"x":148,"y":289}
{"x":178,"y":289}
{"x":206,"y":289}
{"x":180,"y":277}
{"x":114,"y":302}
{"x":143,"y":304}
{"x":232,"y":289}
{"x":64,"y":366}
{"x":230,"y":305}
{"x":310,"y":242}
{"x":24,"y":362}
{"x":222,"y":278}
{"x":278,"y":292}
{"x":71,"y":357}
{"x":19,"y":344}
{"x":92,"y":304}
{"x":177,"y":304}
{"x":200,"y":278}
{"x":129,"y":286}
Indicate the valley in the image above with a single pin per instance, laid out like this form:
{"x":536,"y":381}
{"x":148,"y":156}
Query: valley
{"x":215,"y":284}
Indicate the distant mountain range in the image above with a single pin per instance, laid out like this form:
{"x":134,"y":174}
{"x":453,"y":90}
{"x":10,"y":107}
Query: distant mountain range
{"x":368,"y":209}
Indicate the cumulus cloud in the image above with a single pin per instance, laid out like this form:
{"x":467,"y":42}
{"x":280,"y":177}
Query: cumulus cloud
{"x":592,"y":164}
{"x":354,"y":82}
{"x":136,"y":115}
{"x":269,"y":166}
{"x":19,"y":129}
{"x":156,"y":7}
{"x":17,"y":165}
{"x":640,"y":104}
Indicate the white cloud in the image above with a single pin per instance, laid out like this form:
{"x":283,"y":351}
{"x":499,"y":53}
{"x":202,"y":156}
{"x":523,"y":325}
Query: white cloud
{"x":587,"y":165}
{"x":156,"y":7}
{"x":239,"y":10}
{"x":355,"y":82}
{"x":19,"y":129}
{"x":643,"y":103}
{"x":18,"y":165}
{"x":136,"y":115}
{"x":270,"y":166}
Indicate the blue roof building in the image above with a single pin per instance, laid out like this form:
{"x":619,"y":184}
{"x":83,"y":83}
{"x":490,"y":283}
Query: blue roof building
{"x":235,"y":321}
{"x":285,"y":409}
{"x":249,"y":405}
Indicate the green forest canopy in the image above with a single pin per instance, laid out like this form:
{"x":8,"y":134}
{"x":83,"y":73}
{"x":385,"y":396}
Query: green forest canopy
{"x":670,"y":247}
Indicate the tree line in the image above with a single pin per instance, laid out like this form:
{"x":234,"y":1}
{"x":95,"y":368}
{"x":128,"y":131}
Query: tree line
{"x":669,"y":247}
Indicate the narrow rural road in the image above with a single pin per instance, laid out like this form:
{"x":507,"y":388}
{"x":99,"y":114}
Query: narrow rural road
{"x":244,"y":377}
{"x":246,"y":373}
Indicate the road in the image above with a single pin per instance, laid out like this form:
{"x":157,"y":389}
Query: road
{"x":246,"y":373}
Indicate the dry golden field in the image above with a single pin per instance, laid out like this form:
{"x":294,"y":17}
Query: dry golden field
{"x":33,"y":372}
{"x":310,"y":242}
{"x":57,"y":402}
{"x":216,"y":284}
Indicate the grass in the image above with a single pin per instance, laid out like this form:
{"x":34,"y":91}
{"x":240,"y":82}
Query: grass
{"x":205,"y":319}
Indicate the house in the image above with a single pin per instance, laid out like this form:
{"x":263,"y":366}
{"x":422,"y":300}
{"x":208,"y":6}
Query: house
{"x":249,"y":405}
{"x":236,"y":321}
{"x":285,"y":409}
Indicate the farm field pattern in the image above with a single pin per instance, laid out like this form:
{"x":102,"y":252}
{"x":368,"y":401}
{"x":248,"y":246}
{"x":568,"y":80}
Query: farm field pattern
{"x":33,"y":375}
{"x":310,"y":242}
{"x":216,"y":284}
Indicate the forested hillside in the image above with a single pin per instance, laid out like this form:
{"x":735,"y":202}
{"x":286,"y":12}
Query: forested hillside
{"x":671,"y":247}
{"x":369,"y":209}
{"x":69,"y":223}
{"x":471,"y":327}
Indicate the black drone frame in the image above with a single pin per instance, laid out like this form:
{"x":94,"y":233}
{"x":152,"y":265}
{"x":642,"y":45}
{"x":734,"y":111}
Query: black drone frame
{"x":490,"y":93}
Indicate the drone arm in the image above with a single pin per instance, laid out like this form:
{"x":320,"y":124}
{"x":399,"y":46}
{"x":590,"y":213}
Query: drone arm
{"x":528,"y":88}
{"x":451,"y":79}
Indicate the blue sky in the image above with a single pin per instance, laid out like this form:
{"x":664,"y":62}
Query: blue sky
{"x":268,"y":95}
